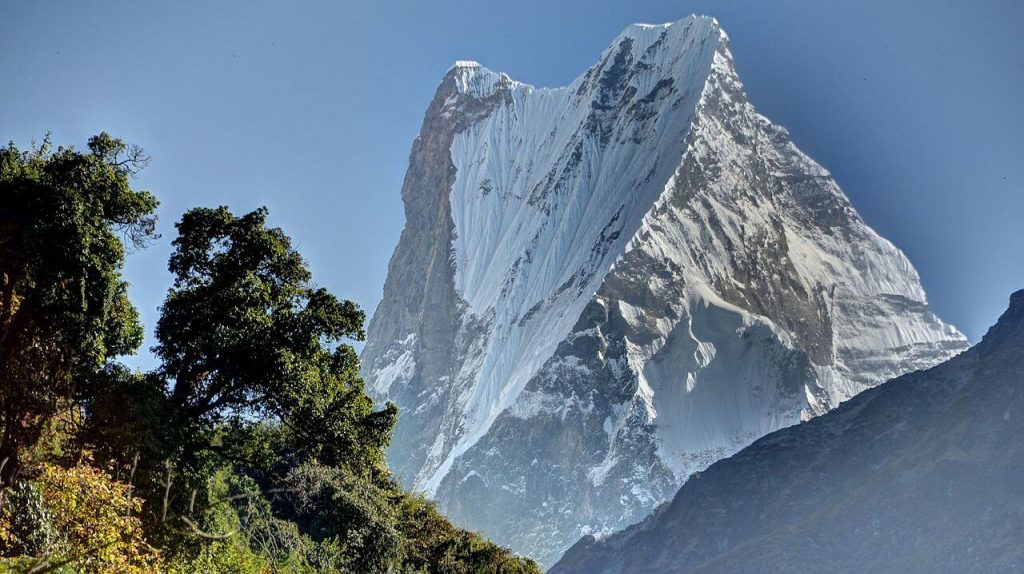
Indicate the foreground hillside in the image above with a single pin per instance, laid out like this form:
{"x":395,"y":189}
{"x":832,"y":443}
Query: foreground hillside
{"x":251,"y":448}
{"x":922,"y":474}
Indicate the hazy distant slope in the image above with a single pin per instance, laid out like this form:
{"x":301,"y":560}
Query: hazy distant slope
{"x":922,"y":474}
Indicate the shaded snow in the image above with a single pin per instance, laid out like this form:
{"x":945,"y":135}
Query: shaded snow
{"x":537,"y":273}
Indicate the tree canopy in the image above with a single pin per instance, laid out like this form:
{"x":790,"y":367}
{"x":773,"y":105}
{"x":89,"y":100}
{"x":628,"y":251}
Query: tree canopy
{"x":243,"y":333}
{"x":66,"y":221}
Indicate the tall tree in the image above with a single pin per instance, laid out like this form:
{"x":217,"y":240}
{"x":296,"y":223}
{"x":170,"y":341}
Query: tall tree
{"x":65,"y":218}
{"x":244,"y":335}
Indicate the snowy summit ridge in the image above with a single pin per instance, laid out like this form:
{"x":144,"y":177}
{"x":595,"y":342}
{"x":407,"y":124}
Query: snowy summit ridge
{"x":605,"y":287}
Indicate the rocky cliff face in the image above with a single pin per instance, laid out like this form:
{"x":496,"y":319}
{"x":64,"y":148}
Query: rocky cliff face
{"x":603,"y":288}
{"x":921,"y":474}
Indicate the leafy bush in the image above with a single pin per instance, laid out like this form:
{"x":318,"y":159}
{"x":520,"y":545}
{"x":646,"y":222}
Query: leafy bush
{"x":348,"y":513}
{"x":26,"y":524}
{"x":94,"y":518}
{"x":435,"y":545}
{"x":236,"y":532}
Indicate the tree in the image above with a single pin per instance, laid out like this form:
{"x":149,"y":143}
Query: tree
{"x":65,"y":217}
{"x":243,"y":335}
{"x":255,"y":360}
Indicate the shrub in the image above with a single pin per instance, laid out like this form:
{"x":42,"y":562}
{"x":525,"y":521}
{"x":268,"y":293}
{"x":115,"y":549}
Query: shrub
{"x":433,"y":544}
{"x":26,"y":524}
{"x":94,"y":518}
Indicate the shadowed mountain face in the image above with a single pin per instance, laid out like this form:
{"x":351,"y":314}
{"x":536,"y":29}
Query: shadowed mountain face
{"x":922,"y":474}
{"x":605,"y":287}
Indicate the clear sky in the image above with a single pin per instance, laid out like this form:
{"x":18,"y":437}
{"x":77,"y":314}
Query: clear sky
{"x":310,"y":108}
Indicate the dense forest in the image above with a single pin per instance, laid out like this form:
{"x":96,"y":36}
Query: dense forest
{"x":251,"y":448}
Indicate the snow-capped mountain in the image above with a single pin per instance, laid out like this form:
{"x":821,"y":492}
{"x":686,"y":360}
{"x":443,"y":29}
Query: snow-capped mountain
{"x":921,"y":474}
{"x":605,"y":287}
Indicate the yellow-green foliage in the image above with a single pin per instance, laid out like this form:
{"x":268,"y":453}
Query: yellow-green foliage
{"x":222,"y":556}
{"x":95,"y":520}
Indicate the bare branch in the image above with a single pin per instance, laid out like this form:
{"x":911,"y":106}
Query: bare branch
{"x":167,"y":494}
{"x":194,"y":529}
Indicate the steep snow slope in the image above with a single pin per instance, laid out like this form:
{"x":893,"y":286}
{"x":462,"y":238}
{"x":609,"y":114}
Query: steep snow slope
{"x":921,"y":474}
{"x":605,"y":287}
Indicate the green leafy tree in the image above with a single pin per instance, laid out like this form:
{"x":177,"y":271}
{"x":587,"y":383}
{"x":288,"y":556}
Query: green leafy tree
{"x":255,"y":364}
{"x":65,"y":219}
{"x":244,"y":335}
{"x":332,"y":506}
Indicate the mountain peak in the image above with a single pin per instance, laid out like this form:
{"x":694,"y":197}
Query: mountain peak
{"x":465,"y":64}
{"x":702,"y":29}
{"x":605,"y":287}
{"x":708,"y":23}
{"x":650,"y":46}
{"x":474,"y":79}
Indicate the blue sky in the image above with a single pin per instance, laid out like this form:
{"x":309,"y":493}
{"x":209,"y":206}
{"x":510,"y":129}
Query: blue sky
{"x":310,"y":108}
